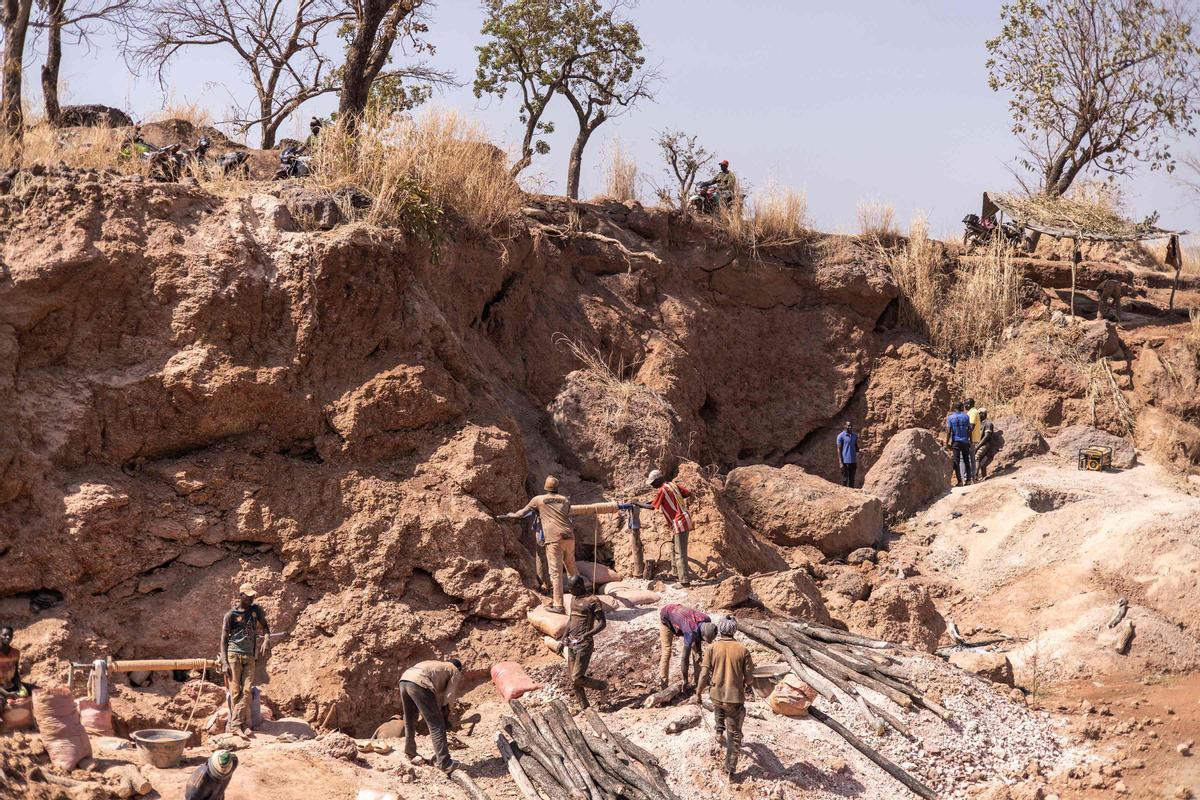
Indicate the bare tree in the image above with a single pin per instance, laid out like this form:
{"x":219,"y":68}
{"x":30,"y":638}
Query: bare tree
{"x":685,"y":157}
{"x":375,"y":27}
{"x":1096,"y":84}
{"x":14,"y":16}
{"x":80,"y":19}
{"x":279,"y":43}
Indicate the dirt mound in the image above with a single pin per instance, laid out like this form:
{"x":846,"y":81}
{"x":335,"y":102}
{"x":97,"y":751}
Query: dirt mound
{"x":899,"y":611}
{"x":791,"y":508}
{"x":912,"y":470}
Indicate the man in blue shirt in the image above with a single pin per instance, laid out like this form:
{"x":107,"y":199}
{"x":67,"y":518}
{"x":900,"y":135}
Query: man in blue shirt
{"x":847,"y":447}
{"x":958,"y":439}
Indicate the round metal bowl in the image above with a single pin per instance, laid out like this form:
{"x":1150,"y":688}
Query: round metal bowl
{"x":161,"y":747}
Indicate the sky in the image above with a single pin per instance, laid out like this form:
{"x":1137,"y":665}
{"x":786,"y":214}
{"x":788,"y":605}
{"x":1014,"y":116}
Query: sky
{"x":854,"y":102}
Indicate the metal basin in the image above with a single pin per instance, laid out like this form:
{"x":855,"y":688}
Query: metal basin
{"x":766,"y":676}
{"x":161,"y":747}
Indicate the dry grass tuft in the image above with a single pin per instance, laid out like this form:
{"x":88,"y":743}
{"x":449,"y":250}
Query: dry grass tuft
{"x":628,"y":405}
{"x":83,"y":148}
{"x":876,"y":222}
{"x":194,"y":113}
{"x":400,"y":161}
{"x":776,"y":217}
{"x":620,"y":174}
{"x":963,"y":311}
{"x":1092,"y":206}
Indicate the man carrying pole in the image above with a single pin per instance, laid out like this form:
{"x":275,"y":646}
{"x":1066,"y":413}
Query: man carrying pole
{"x":554,"y":513}
{"x":245,"y":639}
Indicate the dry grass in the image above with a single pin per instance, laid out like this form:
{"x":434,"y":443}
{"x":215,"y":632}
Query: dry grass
{"x":775,"y":217}
{"x":197,"y":115}
{"x":961,"y":312}
{"x":876,"y":222}
{"x":628,"y":405}
{"x":400,"y":160}
{"x":84,"y":148}
{"x":620,"y":174}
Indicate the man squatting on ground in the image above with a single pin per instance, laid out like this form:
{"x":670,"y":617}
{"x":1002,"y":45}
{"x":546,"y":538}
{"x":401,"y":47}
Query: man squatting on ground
{"x":847,"y":447}
{"x":958,"y":439}
{"x":245,"y":638}
{"x":669,"y":498}
{"x":727,"y":668}
{"x":11,"y":687}
{"x":554,"y":511}
{"x":428,"y":690}
{"x":586,"y":620}
{"x":694,"y":627}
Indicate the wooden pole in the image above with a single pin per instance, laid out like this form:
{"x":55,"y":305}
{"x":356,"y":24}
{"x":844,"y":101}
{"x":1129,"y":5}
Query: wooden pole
{"x":913,"y":785}
{"x":1076,"y":258}
{"x":514,"y":769}
{"x":469,"y":786}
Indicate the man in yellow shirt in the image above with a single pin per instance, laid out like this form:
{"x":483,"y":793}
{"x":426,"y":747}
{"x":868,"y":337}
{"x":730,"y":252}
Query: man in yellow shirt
{"x":976,"y":434}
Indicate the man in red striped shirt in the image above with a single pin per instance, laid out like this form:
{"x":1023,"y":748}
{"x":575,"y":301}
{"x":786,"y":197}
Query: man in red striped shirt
{"x":669,"y":499}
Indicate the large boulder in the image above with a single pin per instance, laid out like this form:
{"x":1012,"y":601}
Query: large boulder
{"x":912,"y":470}
{"x":902,"y":612}
{"x":93,"y":115}
{"x":1072,"y":439}
{"x":1018,"y":439}
{"x":994,"y":666}
{"x":792,"y":594}
{"x":790,"y":507}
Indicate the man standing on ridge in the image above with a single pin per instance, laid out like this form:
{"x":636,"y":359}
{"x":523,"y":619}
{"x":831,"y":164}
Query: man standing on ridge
{"x":585,"y":621}
{"x":958,"y":439}
{"x":847,"y":447}
{"x":973,"y":418}
{"x":728,"y":667}
{"x":986,"y":449}
{"x":245,"y":638}
{"x":690,"y":624}
{"x":670,"y":499}
{"x":554,"y":512}
{"x":428,"y":690}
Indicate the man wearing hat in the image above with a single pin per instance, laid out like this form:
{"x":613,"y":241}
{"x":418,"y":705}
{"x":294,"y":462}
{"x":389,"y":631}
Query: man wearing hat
{"x":245,"y":638}
{"x":669,"y":498}
{"x":728,"y":670}
{"x":210,"y":779}
{"x":726,"y":184}
{"x":554,"y":512}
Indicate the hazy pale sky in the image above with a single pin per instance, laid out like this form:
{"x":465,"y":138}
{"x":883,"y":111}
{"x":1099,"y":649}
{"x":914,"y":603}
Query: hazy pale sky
{"x":851,"y":102}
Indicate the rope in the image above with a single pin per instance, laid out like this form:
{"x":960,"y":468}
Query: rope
{"x":196,"y":704}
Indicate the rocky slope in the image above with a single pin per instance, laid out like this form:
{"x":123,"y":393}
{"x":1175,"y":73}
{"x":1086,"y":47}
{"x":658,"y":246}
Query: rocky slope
{"x":197,"y":393}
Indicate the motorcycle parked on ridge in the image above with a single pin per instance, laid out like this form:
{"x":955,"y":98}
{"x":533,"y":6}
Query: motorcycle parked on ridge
{"x":981,"y":232}
{"x":293,"y":164}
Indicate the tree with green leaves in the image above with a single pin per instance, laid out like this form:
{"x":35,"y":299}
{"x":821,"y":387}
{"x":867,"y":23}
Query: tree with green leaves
{"x":581,"y":49}
{"x":1096,"y":85}
{"x":684,"y":157}
{"x":609,"y":80}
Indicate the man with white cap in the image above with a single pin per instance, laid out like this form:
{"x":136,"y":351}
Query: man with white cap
{"x":554,"y":513}
{"x":210,"y":779}
{"x":245,"y":638}
{"x":669,"y":499}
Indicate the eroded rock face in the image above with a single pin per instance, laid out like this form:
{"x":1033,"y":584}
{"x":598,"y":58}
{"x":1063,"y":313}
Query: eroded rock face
{"x":912,"y":470}
{"x":790,"y":507}
{"x":201,"y":395}
{"x":1069,"y":441}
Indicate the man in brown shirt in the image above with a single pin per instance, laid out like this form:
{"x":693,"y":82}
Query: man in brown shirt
{"x":727,"y":668}
{"x":554,"y":510}
{"x":586,"y":620}
{"x":428,"y":689}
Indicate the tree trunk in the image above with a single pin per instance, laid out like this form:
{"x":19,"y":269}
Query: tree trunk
{"x":270,"y":124}
{"x":576,"y":163}
{"x":365,"y":56}
{"x":53,"y":60}
{"x":16,"y":25}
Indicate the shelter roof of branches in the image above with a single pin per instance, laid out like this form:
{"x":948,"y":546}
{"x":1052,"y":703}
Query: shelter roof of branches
{"x":1064,"y":219}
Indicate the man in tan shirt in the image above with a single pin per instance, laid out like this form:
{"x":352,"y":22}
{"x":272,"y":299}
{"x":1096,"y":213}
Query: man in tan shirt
{"x":554,"y":510}
{"x":428,"y":689}
{"x":727,"y":668}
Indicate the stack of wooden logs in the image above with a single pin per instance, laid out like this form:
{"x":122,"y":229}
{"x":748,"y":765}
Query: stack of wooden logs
{"x":551,"y":758}
{"x":831,"y":660}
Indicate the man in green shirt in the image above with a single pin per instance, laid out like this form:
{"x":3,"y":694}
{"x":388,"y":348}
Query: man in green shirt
{"x":725,"y":183}
{"x":245,"y":638}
